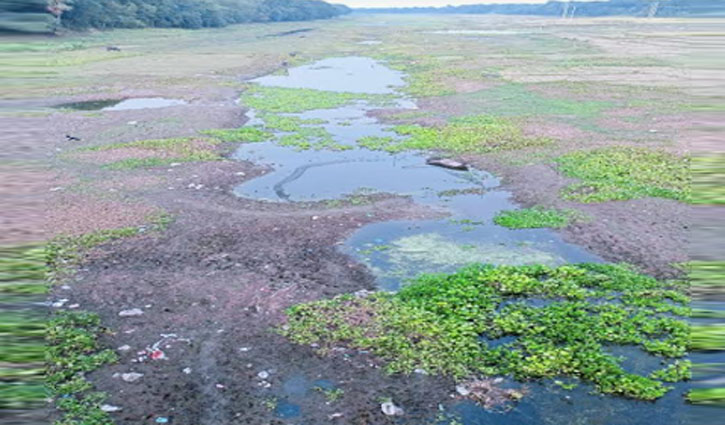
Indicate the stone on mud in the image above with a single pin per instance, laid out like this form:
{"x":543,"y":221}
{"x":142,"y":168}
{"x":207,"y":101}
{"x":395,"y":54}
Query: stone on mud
{"x":131,"y":376}
{"x":390,"y":409}
{"x":131,"y":312}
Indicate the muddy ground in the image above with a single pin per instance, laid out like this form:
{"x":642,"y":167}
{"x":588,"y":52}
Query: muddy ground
{"x":225,"y":269}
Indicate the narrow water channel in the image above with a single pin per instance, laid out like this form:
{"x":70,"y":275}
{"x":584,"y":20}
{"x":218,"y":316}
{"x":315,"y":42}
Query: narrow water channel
{"x":398,"y":250}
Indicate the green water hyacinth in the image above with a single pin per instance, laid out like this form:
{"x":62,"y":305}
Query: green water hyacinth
{"x":557,"y":321}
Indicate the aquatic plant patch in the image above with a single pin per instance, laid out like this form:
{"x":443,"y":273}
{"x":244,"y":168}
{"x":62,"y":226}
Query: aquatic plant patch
{"x":558,"y":323}
{"x":536,"y":217}
{"x":291,"y":100}
{"x":478,"y":133}
{"x":622,"y":173}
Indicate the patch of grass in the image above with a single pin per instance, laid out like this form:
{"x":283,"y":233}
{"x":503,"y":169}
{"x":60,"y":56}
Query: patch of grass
{"x":708,"y":337}
{"x":515,"y":99}
{"x":441,"y":323}
{"x":707,"y":396}
{"x":707,"y":275}
{"x":478,"y":133}
{"x":332,"y":395}
{"x":536,"y":217}
{"x":243,"y":134}
{"x":708,"y":185}
{"x":290,"y":100}
{"x":623,"y":173}
{"x":187,"y":149}
{"x":22,"y":281}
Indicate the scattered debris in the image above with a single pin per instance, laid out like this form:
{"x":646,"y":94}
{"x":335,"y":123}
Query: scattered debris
{"x":162,"y":420}
{"x":155,"y":352}
{"x":131,"y":312}
{"x":335,"y":415}
{"x":131,"y":376}
{"x":421,"y":371}
{"x":220,"y":386}
{"x":60,"y":303}
{"x":462,"y":390}
{"x":390,"y":409}
{"x":245,"y":349}
{"x":110,"y":408}
{"x":124,"y":348}
{"x":486,"y":393}
{"x":447,"y":163}
{"x":113,"y":48}
{"x":263,"y":374}
{"x":187,"y":370}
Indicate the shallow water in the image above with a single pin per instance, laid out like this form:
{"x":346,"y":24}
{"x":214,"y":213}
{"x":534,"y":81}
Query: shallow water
{"x":122,"y":104}
{"x":396,"y":251}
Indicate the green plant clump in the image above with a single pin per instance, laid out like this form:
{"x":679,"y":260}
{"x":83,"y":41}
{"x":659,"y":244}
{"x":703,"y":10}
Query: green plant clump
{"x":622,"y":173}
{"x":478,"y":133}
{"x":291,"y":100}
{"x":443,"y":324}
{"x":536,"y":217}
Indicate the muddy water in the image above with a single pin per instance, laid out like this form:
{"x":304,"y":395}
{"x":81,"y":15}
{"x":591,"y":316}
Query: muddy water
{"x":398,"y":250}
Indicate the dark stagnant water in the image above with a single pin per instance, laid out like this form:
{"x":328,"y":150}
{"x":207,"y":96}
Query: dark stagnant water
{"x":396,"y":251}
{"x":122,"y":104}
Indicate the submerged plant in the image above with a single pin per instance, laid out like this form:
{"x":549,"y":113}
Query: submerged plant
{"x":557,"y":323}
{"x":622,"y":173}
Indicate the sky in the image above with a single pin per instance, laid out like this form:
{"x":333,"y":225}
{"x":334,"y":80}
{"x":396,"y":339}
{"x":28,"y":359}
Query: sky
{"x":436,"y":3}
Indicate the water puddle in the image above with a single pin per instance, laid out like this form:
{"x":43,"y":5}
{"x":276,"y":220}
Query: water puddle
{"x":396,"y":251}
{"x":122,"y":104}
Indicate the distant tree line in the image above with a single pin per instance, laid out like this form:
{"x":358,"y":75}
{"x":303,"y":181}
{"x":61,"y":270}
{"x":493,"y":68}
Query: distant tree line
{"x":660,"y":8}
{"x":106,"y":14}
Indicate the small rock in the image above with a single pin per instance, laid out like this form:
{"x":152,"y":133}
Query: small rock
{"x":220,"y":386}
{"x":421,"y":371}
{"x":131,"y":312}
{"x":462,"y":390}
{"x":132,"y":122}
{"x":124,"y":348}
{"x":447,"y":163}
{"x":187,"y":371}
{"x":240,"y":173}
{"x":60,"y":303}
{"x":131,"y":376}
{"x":162,"y":420}
{"x":263,"y":374}
{"x":335,"y":415}
{"x":244,"y":349}
{"x":110,"y":408}
{"x":390,"y":409}
{"x":74,"y":306}
{"x":314,"y":217}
